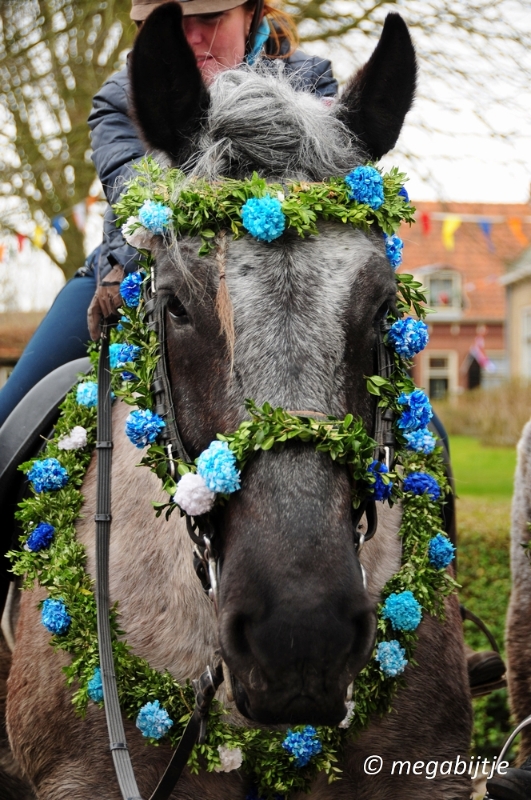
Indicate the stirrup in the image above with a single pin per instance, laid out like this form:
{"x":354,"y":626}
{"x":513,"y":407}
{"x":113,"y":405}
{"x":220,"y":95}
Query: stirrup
{"x":486,"y":669}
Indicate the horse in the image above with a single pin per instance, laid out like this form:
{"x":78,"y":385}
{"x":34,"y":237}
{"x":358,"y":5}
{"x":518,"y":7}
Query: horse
{"x":295,"y":619}
{"x":518,"y":615}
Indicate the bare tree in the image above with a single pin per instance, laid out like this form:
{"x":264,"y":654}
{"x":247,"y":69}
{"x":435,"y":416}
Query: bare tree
{"x":54,"y":56}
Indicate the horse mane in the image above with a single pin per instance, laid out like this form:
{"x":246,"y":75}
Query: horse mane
{"x":257,"y":121}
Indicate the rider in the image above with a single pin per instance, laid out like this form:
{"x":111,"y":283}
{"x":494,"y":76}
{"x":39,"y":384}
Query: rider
{"x":222,"y":34}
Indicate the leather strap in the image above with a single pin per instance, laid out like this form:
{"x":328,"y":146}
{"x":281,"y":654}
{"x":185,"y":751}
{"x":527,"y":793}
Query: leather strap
{"x":118,"y":746}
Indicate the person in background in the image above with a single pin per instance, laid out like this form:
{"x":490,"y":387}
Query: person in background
{"x":223,"y":34}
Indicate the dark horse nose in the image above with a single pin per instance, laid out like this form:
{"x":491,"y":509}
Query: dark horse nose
{"x":296,"y":624}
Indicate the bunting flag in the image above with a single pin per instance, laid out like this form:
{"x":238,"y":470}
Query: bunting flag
{"x":39,"y":237}
{"x":515,"y":225}
{"x":449,"y":227}
{"x":2,"y":252}
{"x":486,"y":227}
{"x":59,"y":224}
{"x":20,"y":241}
{"x":425,"y":221}
{"x":79,"y":212}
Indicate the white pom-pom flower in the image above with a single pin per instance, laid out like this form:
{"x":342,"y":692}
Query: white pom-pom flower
{"x":193,"y":495}
{"x":345,"y":723}
{"x":230,"y":757}
{"x":140,"y":237}
{"x":74,"y":440}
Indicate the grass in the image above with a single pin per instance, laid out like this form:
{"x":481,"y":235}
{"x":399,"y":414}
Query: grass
{"x":481,"y":471}
{"x":484,"y":486}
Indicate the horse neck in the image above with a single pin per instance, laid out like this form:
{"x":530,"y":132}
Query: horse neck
{"x":167,"y":617}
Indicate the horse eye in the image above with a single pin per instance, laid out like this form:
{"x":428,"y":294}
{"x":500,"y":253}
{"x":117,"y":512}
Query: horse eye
{"x":176,"y":309}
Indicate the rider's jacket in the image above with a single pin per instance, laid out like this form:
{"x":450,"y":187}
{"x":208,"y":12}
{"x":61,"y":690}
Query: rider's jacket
{"x":116,"y":146}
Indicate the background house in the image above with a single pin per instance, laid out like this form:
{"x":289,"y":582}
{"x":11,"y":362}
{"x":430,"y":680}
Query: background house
{"x":460,"y":252}
{"x":517,"y":283}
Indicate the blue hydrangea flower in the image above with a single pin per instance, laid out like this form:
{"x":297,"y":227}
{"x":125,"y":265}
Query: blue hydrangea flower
{"x":382,"y":491}
{"x":422,"y":483}
{"x":153,"y":720}
{"x":120,"y":327}
{"x":422,"y":441}
{"x":393,"y":250}
{"x":47,"y":475}
{"x":131,"y":289}
{"x":441,"y":551}
{"x":366,"y":186}
{"x":55,"y":617}
{"x":95,"y":686}
{"x":403,"y":193}
{"x":417,"y":412}
{"x":143,"y":426}
{"x":391,"y":658}
{"x":217,"y":467}
{"x":122,"y":354}
{"x":302,"y":745}
{"x":87,"y":394}
{"x":403,"y":611}
{"x":154,"y":216}
{"x":263,"y":218}
{"x":40,"y":537}
{"x":408,"y":336}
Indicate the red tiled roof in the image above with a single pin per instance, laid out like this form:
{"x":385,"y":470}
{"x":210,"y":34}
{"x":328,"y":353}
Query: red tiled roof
{"x":480,"y":268}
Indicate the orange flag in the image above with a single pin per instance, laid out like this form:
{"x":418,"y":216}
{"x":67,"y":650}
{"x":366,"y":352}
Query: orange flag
{"x":450,"y":225}
{"x":515,"y":225}
{"x":2,"y":251}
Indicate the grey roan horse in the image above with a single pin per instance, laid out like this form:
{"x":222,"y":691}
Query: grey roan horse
{"x":295,"y":624}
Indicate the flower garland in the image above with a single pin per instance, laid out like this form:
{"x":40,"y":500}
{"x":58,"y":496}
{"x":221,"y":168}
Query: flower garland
{"x":160,"y":200}
{"x":278,"y":763}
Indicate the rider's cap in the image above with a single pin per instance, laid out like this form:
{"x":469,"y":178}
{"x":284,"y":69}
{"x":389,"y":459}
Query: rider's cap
{"x":143,"y":8}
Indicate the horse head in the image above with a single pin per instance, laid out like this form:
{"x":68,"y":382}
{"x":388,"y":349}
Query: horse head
{"x":297,"y":328}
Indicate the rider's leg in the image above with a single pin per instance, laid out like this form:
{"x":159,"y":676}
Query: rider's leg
{"x":62,"y":336}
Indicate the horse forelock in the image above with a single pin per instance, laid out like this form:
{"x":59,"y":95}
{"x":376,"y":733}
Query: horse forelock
{"x":258,"y":121}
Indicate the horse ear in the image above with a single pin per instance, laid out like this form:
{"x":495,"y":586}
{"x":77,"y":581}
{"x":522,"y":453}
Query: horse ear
{"x":377,"y":99}
{"x":169,"y":97}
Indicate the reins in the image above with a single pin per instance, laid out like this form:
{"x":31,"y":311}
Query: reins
{"x":202,"y":533}
{"x":205,"y":687}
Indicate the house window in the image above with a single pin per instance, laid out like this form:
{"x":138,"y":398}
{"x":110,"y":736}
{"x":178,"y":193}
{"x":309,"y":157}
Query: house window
{"x":439,"y":373}
{"x":444,"y":293}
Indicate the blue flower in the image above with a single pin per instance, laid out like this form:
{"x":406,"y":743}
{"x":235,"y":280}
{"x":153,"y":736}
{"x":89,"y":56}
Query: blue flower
{"x":95,"y":686}
{"x":153,"y":720}
{"x":382,"y":491}
{"x":217,"y":467}
{"x":393,"y":250}
{"x":154,"y":216}
{"x":143,"y":426}
{"x":47,"y":475}
{"x":440,"y":551}
{"x":122,"y":354}
{"x":391,"y":658}
{"x":366,"y":186}
{"x":302,"y":745}
{"x":263,"y":218}
{"x":417,"y":413}
{"x":131,"y":289}
{"x":403,"y":193}
{"x":87,"y":394}
{"x":408,"y":336}
{"x":422,"y":483}
{"x":120,"y":327}
{"x":40,"y":537}
{"x":403,"y":611}
{"x":55,"y":617}
{"x":422,"y":441}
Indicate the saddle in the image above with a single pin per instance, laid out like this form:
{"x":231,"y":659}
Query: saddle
{"x":21,"y":436}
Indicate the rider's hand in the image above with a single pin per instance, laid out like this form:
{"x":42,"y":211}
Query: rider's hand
{"x":106,"y":301}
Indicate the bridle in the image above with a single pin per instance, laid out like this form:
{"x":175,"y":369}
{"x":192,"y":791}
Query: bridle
{"x":202,"y":532}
